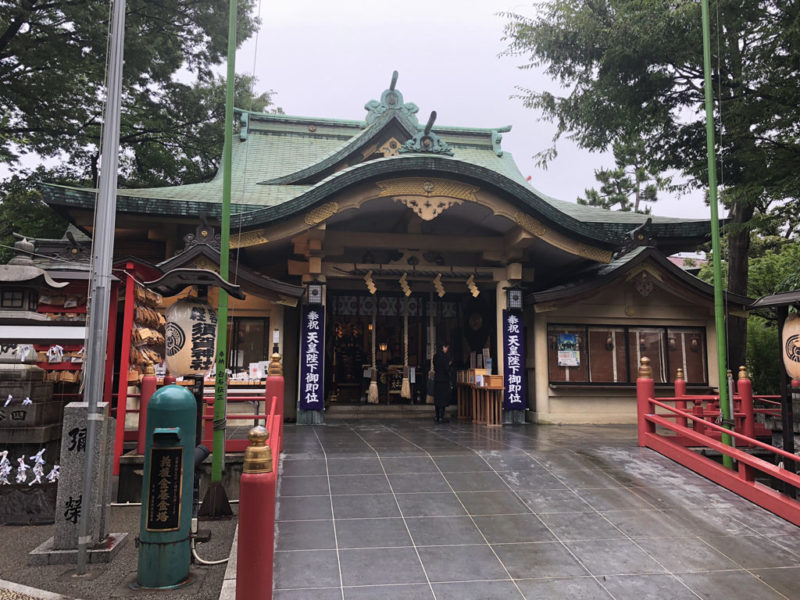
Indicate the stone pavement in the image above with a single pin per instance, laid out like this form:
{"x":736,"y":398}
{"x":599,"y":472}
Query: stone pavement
{"x":409,"y":510}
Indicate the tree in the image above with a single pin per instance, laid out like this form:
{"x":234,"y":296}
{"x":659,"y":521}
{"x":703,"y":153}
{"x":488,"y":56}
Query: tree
{"x":22,"y":211}
{"x":52,"y":65}
{"x":633,"y":66}
{"x":630,"y":183}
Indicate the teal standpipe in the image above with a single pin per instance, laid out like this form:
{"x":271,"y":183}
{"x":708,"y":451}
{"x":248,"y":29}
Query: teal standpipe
{"x":166,"y":519}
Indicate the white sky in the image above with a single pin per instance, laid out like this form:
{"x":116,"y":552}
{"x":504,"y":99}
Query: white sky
{"x":327,"y":59}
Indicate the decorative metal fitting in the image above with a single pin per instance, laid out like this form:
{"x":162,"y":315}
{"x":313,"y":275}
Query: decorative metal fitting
{"x":679,"y":374}
{"x":743,"y":372}
{"x":275,"y":366}
{"x":644,"y":369}
{"x":257,"y":456}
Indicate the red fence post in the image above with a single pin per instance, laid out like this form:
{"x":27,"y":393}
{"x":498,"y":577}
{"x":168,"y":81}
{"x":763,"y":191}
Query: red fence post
{"x":746,"y":395}
{"x":208,"y":422}
{"x":149,"y":382}
{"x":125,"y":349}
{"x":255,"y":548}
{"x":680,"y":391}
{"x":645,"y":389}
{"x":698,"y":423}
{"x":275,"y":386}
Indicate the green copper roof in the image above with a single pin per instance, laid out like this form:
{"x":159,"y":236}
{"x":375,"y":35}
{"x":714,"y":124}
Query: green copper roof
{"x":284,"y":164}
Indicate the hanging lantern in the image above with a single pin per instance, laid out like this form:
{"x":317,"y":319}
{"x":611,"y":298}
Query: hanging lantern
{"x":790,"y":345}
{"x":191,"y":336}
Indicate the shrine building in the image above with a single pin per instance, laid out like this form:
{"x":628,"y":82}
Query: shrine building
{"x":401,"y":233}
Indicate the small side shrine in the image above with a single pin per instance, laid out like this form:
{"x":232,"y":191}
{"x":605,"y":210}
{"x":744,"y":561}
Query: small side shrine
{"x":786,"y":429}
{"x":591,"y":330}
{"x":30,"y":418}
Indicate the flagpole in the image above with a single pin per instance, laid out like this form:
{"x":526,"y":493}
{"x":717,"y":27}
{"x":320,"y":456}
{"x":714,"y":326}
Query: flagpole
{"x":719,"y":310}
{"x":102,"y":257}
{"x":221,"y":379}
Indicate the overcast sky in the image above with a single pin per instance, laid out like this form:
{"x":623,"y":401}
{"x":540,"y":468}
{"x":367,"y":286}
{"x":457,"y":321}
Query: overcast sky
{"x":327,"y":59}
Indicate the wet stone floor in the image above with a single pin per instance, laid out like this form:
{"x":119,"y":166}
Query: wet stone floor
{"x":415,"y":510}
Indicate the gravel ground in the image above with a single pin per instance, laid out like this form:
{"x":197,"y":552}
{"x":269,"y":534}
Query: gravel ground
{"x":112,"y":580}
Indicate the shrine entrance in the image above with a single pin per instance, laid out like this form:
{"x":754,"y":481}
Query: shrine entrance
{"x":357,"y":320}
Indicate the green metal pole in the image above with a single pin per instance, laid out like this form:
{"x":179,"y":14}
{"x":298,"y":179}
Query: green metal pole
{"x":221,"y":381}
{"x":719,"y":311}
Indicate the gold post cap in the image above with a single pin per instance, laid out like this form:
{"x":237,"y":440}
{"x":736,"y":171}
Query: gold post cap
{"x":275,"y":367}
{"x":257,"y":456}
{"x":149,"y":370}
{"x":743,"y":372}
{"x":644,"y":369}
{"x":679,"y":374}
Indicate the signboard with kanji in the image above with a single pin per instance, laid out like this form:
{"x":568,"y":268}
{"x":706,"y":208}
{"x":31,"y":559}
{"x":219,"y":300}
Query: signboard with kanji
{"x":164,"y":489}
{"x":312,"y":358}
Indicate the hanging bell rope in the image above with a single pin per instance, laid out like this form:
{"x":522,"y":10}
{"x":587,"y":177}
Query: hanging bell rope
{"x":432,"y":345}
{"x":405,"y":387}
{"x":372,"y":393}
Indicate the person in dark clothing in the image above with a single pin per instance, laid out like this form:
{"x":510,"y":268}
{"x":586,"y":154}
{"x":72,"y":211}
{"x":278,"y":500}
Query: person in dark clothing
{"x":441,"y":381}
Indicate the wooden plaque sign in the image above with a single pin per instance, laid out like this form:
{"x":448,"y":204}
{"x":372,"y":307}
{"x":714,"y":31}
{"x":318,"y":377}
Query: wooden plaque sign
{"x":164,"y":489}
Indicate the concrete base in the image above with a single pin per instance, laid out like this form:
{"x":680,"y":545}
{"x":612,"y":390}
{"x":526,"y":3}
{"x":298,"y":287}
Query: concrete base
{"x":104,"y":553}
{"x":513,"y":417}
{"x":383,"y":411}
{"x":228,"y":591}
{"x":310,"y":417}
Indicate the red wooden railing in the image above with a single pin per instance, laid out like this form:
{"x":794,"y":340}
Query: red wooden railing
{"x":666,"y":427}
{"x":257,"y":496}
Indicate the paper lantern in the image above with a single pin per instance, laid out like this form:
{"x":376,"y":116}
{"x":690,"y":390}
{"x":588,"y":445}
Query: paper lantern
{"x":790,"y":345}
{"x":191,"y":336}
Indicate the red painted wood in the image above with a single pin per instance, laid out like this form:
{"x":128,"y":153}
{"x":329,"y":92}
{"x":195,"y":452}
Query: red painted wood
{"x":108,"y":380}
{"x":720,"y":429}
{"x":125,"y":355}
{"x":774,"y":501}
{"x":742,"y":481}
{"x":255,"y":546}
{"x":149,"y":383}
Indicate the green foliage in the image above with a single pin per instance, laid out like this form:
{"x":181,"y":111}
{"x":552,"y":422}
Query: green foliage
{"x":22,"y":211}
{"x":636,"y":67}
{"x":763,"y":355}
{"x":630,"y":184}
{"x":774,"y":266}
{"x":176,"y":137}
{"x":52,"y":65}
{"x":775,"y":270}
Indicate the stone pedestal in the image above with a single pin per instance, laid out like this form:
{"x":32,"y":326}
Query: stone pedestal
{"x":62,"y":548}
{"x":310,"y":417}
{"x":513,"y":417}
